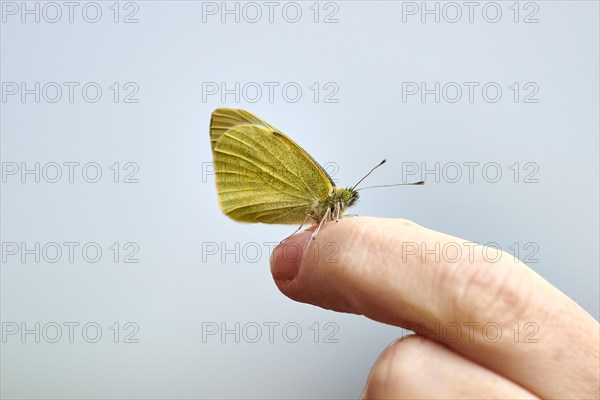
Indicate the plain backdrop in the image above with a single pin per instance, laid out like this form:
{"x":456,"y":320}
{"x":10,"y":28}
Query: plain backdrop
{"x":198,"y":314}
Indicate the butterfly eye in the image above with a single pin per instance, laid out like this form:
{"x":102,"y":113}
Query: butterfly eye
{"x":346,"y":195}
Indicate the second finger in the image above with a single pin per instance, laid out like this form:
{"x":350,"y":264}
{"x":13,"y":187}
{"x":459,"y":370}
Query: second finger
{"x":415,"y":367}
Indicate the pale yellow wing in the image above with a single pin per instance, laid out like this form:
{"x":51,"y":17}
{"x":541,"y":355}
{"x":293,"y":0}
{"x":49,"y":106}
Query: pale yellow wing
{"x":223,"y":119}
{"x":261,"y":174}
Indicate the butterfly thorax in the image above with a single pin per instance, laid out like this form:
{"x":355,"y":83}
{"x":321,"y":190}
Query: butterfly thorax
{"x":335,"y":205}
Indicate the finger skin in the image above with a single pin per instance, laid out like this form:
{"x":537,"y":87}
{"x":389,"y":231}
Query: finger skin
{"x":415,"y":367}
{"x":507,"y":317}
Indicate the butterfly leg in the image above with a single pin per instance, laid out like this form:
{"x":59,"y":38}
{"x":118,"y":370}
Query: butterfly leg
{"x":300,"y":227}
{"x":325,"y":218}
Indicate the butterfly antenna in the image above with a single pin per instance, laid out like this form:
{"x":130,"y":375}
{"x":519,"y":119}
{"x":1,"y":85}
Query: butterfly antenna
{"x":396,"y":184}
{"x":374,"y":168}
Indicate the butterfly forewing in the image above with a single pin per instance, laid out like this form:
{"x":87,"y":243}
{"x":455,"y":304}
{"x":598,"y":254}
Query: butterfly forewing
{"x":261,"y":174}
{"x":223,"y":119}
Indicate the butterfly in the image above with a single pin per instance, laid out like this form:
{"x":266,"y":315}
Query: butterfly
{"x":262,"y":175}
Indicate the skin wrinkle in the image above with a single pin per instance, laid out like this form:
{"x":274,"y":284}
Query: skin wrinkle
{"x":433,"y":288}
{"x":572,"y":343}
{"x":455,"y":303}
{"x":338,"y":274}
{"x":515,"y":295}
{"x":439,"y":282}
{"x":378,"y":240}
{"x":357,"y":280}
{"x":482,"y":281}
{"x":348,"y":257}
{"x":414,"y":261}
{"x":476,"y":302}
{"x":331,"y":271}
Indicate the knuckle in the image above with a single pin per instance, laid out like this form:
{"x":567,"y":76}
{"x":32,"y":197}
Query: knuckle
{"x":493,"y":291}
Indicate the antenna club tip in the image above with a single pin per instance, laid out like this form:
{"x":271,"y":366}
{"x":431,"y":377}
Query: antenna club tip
{"x":420,"y":183}
{"x":373,"y":169}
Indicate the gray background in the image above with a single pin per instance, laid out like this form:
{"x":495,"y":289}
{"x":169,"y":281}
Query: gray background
{"x":177,"y":287}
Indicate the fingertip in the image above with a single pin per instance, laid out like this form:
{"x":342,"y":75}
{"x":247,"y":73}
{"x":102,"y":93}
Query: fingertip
{"x":315,"y":271}
{"x":349,"y":267}
{"x":287,"y":256}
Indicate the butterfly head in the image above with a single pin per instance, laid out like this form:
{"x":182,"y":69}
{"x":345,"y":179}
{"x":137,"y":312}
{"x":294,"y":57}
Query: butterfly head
{"x":349,"y":196}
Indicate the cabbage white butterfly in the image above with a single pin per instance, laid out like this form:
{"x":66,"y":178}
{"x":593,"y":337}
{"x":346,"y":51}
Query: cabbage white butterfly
{"x":262,"y":175}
